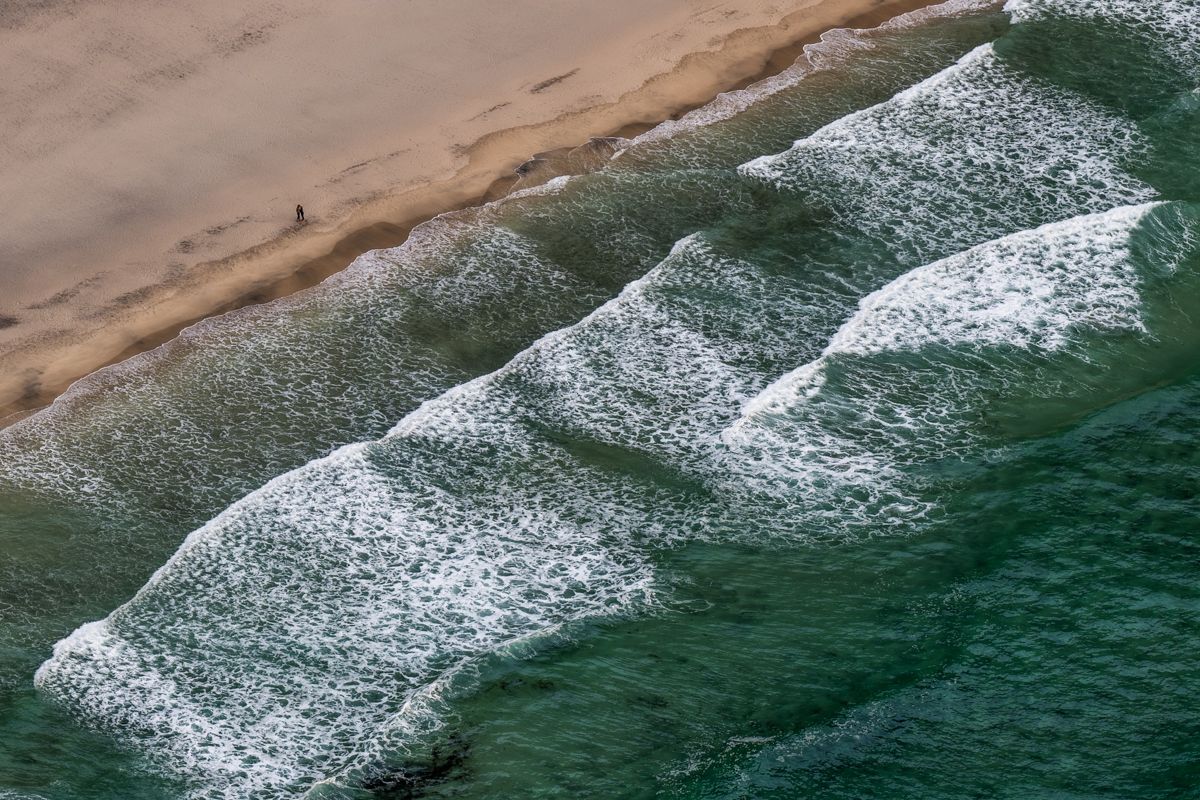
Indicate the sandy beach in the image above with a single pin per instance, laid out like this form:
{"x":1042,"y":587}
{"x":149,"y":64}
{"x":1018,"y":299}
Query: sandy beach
{"x":152,"y":154}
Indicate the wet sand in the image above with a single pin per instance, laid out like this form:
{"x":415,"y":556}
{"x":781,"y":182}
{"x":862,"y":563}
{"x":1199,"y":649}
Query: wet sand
{"x":152,"y":157}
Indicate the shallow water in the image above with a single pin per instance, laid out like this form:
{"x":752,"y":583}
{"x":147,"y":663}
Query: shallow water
{"x":836,"y":441}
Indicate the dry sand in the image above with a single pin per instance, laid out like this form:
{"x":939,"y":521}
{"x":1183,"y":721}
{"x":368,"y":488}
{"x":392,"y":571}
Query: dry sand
{"x":152,"y":152}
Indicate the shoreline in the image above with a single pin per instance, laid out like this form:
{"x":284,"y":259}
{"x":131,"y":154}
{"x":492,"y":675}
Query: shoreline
{"x":297,"y":260}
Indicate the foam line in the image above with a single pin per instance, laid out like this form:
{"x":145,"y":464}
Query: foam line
{"x":904,"y":171}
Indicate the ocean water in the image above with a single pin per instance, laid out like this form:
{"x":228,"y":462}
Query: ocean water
{"x":837,"y":440}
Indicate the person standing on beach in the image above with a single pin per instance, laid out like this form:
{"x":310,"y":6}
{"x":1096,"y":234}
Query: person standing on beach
{"x":299,"y":213}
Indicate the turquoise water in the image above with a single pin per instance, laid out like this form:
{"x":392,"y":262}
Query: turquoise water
{"x":837,"y":441}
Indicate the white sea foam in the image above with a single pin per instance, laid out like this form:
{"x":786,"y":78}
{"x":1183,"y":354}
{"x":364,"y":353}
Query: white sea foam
{"x":361,"y":577}
{"x":1036,"y":291}
{"x":350,"y":593}
{"x":906,"y":170}
{"x":1027,"y":290}
{"x":307,"y":617}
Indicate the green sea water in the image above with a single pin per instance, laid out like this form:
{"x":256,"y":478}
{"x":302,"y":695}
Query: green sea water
{"x":835,"y":441}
